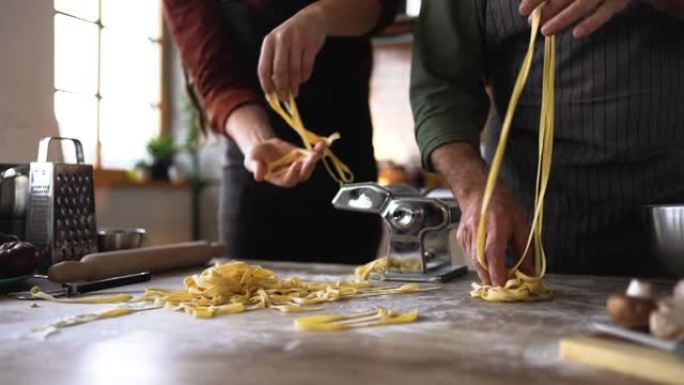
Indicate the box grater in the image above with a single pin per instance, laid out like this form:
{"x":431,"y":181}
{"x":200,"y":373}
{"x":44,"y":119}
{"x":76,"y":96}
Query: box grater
{"x":60,"y":217}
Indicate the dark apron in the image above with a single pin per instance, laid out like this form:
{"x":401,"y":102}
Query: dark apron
{"x":619,"y":141}
{"x":262,"y":221}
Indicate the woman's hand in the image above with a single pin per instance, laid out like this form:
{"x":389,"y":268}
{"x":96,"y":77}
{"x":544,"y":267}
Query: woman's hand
{"x":561,"y":14}
{"x":262,"y":154}
{"x":248,"y":126}
{"x":288,"y":52}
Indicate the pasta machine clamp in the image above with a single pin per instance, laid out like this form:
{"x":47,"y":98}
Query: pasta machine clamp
{"x":418,"y":225}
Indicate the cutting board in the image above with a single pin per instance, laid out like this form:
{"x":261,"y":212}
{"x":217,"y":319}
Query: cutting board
{"x":624,"y":357}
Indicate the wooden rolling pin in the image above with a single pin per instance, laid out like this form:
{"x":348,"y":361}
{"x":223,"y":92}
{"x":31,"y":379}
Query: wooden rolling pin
{"x":153,"y":259}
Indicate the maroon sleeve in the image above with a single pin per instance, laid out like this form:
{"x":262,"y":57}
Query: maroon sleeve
{"x":208,"y":58}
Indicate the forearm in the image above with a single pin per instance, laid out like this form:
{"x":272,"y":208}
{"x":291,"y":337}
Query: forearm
{"x":248,"y":126}
{"x":209,"y":58}
{"x":447,"y":91}
{"x":462,"y":168}
{"x":347,"y":17}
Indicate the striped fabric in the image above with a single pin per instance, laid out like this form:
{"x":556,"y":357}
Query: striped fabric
{"x":619,"y":133}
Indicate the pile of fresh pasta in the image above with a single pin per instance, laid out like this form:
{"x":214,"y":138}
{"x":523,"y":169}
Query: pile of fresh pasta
{"x":236,"y":287}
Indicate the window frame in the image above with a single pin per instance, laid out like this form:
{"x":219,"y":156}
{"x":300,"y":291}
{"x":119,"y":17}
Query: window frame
{"x":164,"y":103}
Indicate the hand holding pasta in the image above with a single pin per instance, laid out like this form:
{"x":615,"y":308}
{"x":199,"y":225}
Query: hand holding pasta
{"x":521,"y":286}
{"x":561,"y":14}
{"x":506,"y":227}
{"x":289,"y":51}
{"x":288,"y":110}
{"x":290,"y":166}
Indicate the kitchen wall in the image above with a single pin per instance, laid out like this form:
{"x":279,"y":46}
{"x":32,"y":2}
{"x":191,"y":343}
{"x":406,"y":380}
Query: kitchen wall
{"x":26,"y":78}
{"x":393,"y":137}
{"x":26,"y":115}
{"x":165,"y":213}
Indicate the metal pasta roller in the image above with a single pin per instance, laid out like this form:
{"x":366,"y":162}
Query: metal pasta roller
{"x":418,"y":225}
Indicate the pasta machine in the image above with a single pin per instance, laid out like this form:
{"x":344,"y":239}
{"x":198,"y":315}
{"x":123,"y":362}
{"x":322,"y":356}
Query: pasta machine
{"x":418,"y":227}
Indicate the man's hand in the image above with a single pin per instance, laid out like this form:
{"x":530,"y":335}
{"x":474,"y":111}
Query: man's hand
{"x":261,"y":155}
{"x":288,"y":52}
{"x":561,"y":14}
{"x":506,"y":228}
{"x":466,"y":174}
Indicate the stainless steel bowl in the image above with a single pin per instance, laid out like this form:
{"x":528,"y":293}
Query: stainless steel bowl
{"x":666,"y":227}
{"x":119,"y":239}
{"x":14,"y":183}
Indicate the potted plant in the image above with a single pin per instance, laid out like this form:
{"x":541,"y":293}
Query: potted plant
{"x":140,"y":172}
{"x":162,"y":151}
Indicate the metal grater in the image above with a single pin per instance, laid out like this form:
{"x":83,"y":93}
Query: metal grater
{"x":61,"y":209}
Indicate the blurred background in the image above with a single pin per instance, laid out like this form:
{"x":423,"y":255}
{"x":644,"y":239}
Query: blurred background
{"x":107,"y":72}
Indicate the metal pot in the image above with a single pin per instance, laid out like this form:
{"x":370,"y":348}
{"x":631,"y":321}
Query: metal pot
{"x":14,"y":184}
{"x":119,"y":239}
{"x":666,"y":230}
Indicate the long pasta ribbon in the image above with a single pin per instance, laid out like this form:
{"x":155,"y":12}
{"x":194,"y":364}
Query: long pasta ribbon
{"x":288,"y":111}
{"x":334,"y":322}
{"x":521,"y":287}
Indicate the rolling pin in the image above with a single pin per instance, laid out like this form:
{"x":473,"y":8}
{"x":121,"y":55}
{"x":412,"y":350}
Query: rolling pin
{"x":153,"y":259}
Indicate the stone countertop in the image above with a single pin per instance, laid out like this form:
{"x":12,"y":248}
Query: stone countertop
{"x":459,"y":340}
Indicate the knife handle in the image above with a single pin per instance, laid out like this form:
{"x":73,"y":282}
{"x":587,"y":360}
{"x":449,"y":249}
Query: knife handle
{"x":108,"y":283}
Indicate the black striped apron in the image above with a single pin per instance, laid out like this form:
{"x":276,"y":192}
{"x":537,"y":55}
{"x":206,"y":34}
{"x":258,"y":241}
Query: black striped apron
{"x":619,"y":142}
{"x":262,"y":221}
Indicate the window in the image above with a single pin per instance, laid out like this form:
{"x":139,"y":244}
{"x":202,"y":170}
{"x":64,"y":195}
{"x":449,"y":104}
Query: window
{"x":108,"y":69}
{"x":412,"y":7}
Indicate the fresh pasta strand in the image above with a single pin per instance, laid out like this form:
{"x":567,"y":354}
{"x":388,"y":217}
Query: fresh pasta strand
{"x":35,"y":292}
{"x":521,"y":287}
{"x":364,"y":272}
{"x":281,"y":165}
{"x":382,"y":265}
{"x":79,"y":319}
{"x":288,"y":111}
{"x":336,"y":322}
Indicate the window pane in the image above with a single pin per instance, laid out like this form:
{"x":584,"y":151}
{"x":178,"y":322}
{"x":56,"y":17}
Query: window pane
{"x":413,"y":7}
{"x":140,"y":17}
{"x":75,"y":55}
{"x":125,"y":128}
{"x":131,"y":67}
{"x":85,"y":9}
{"x":77,"y":118}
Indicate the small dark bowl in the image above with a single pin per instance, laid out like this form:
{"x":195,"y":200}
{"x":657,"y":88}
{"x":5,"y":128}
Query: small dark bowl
{"x":119,"y":239}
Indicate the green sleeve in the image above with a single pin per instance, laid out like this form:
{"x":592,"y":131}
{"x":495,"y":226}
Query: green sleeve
{"x":447,"y":89}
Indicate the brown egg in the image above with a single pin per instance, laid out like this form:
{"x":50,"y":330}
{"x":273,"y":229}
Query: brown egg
{"x":630,"y":312}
